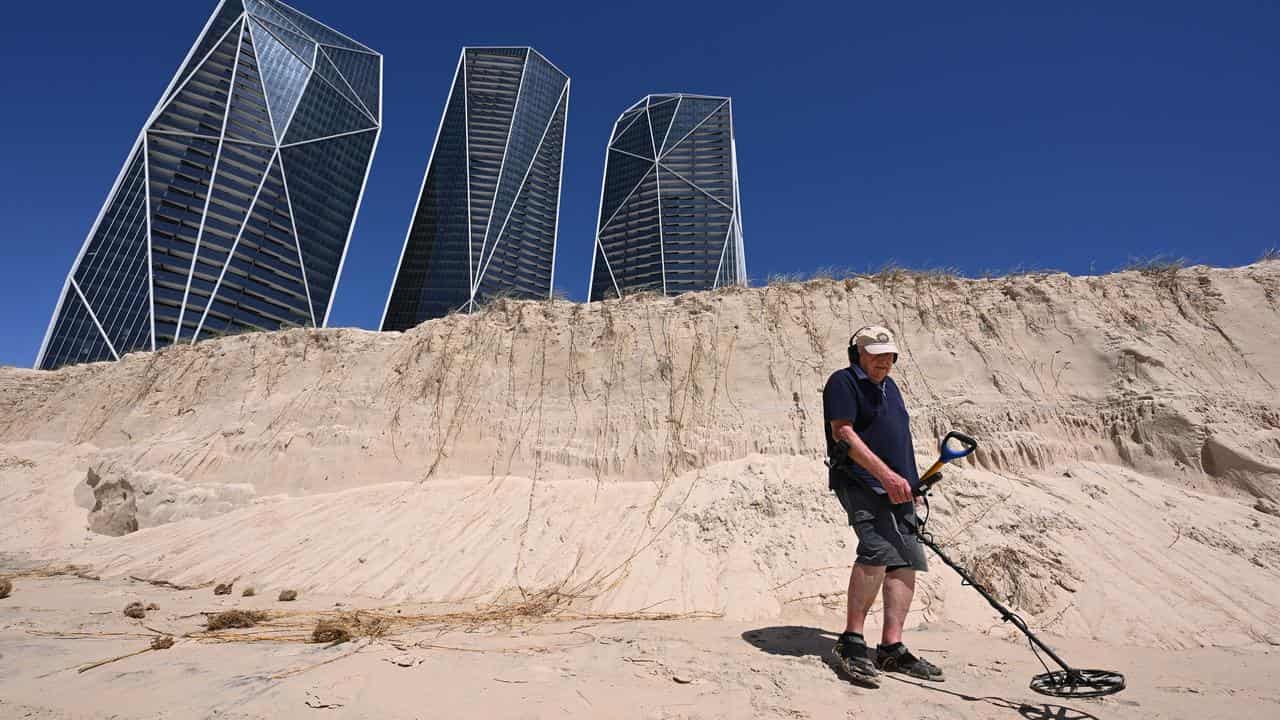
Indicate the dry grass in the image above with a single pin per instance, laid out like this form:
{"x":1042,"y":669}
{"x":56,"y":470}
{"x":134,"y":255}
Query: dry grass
{"x":886,"y":276}
{"x":784,"y":279}
{"x":235,"y":619}
{"x":1162,"y":270}
{"x":80,"y":571}
{"x":1271,"y":254}
{"x":330,"y":631}
{"x":6,"y":587}
{"x":549,"y":604}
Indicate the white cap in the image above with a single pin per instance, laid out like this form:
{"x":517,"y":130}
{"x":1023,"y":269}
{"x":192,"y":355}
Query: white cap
{"x":875,"y":340}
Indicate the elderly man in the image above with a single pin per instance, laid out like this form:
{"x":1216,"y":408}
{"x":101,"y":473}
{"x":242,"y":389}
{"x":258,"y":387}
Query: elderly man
{"x":873,"y":473}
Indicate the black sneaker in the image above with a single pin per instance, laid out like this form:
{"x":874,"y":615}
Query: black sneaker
{"x":897,"y":658}
{"x":852,"y":658}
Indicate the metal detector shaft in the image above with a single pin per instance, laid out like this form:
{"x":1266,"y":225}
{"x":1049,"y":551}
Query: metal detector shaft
{"x":1005,"y":614}
{"x":1068,"y":682}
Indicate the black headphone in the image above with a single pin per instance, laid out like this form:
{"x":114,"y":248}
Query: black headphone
{"x":853,"y":348}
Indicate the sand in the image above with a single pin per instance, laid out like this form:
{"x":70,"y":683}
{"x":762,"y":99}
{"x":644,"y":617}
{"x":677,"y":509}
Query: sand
{"x":620,"y":509}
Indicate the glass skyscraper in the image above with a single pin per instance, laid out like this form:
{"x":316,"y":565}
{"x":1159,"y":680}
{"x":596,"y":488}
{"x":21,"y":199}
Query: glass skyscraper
{"x":235,"y":207}
{"x":670,"y":212}
{"x":486,"y":220}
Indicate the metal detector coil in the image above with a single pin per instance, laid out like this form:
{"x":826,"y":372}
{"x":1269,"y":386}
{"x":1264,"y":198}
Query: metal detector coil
{"x":1068,"y":682}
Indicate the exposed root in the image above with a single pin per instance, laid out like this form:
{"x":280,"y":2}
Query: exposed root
{"x":100,"y":663}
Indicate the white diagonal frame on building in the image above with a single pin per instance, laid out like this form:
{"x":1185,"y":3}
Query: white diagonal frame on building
{"x":213,"y":178}
{"x":355,"y":212}
{"x":694,"y":129}
{"x":724,"y":246}
{"x":667,"y":134}
{"x":657,"y":177}
{"x":235,"y":245}
{"x":297,"y":241}
{"x":94,"y":317}
{"x":617,"y":210}
{"x":151,"y":278}
{"x":520,"y":187}
{"x":624,"y":152}
{"x":555,"y":233}
{"x":511,"y":125}
{"x":697,"y":187}
{"x":740,"y":249}
{"x":320,"y":49}
{"x":119,"y":259}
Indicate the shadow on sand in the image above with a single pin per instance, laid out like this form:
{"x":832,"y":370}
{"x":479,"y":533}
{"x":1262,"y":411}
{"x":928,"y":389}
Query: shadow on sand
{"x":799,"y":641}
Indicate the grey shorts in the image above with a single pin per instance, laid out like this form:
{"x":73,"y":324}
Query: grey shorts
{"x":886,"y":532}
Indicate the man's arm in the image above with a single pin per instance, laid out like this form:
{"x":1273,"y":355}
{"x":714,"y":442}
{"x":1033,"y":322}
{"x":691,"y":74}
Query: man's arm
{"x":895,"y":485}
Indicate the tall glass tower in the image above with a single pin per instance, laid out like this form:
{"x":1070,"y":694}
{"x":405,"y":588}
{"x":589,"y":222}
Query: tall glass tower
{"x":487,"y":215}
{"x":235,"y":207}
{"x":670,"y":212}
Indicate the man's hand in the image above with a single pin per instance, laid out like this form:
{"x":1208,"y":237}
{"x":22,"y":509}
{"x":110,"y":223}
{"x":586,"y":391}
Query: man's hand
{"x":897,"y":486}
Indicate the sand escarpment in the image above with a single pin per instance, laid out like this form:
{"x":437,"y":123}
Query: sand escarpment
{"x":655,"y":452}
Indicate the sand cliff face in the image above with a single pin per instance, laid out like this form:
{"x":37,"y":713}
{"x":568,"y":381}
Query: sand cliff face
{"x":666,"y":452}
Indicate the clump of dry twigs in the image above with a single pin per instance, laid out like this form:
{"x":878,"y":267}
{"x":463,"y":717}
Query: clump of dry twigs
{"x":6,"y":587}
{"x":330,"y":631}
{"x":223,"y":589}
{"x":135,"y":610}
{"x":235,"y":619}
{"x":249,"y":592}
{"x":288,"y":595}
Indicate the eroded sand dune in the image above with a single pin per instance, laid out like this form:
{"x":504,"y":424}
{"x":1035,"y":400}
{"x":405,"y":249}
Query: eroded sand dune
{"x":665,"y":454}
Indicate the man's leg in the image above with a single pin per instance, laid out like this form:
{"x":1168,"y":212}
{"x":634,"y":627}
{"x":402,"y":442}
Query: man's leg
{"x":864,"y":585}
{"x":852,"y":654}
{"x":899,"y":588}
{"x":892,"y":655}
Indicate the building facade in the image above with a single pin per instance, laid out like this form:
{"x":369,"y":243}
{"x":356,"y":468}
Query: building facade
{"x":670,"y":212}
{"x":487,"y":215}
{"x":235,"y":207}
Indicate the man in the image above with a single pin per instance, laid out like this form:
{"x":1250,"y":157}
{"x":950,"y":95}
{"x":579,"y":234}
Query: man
{"x":873,"y":473}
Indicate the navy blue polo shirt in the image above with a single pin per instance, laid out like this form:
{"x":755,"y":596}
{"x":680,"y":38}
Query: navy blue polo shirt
{"x":879,"y":417}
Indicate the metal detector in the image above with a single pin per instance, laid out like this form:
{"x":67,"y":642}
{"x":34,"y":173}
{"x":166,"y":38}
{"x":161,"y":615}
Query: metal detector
{"x":1068,"y":682}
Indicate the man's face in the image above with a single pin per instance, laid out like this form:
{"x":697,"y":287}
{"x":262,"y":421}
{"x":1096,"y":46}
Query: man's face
{"x":876,"y":367}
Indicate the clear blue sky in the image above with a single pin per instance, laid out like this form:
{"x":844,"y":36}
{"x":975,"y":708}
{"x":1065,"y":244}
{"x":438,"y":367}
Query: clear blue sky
{"x":978,"y":135}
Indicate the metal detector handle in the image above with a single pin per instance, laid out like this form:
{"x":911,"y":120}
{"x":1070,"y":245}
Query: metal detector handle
{"x":946,"y":455}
